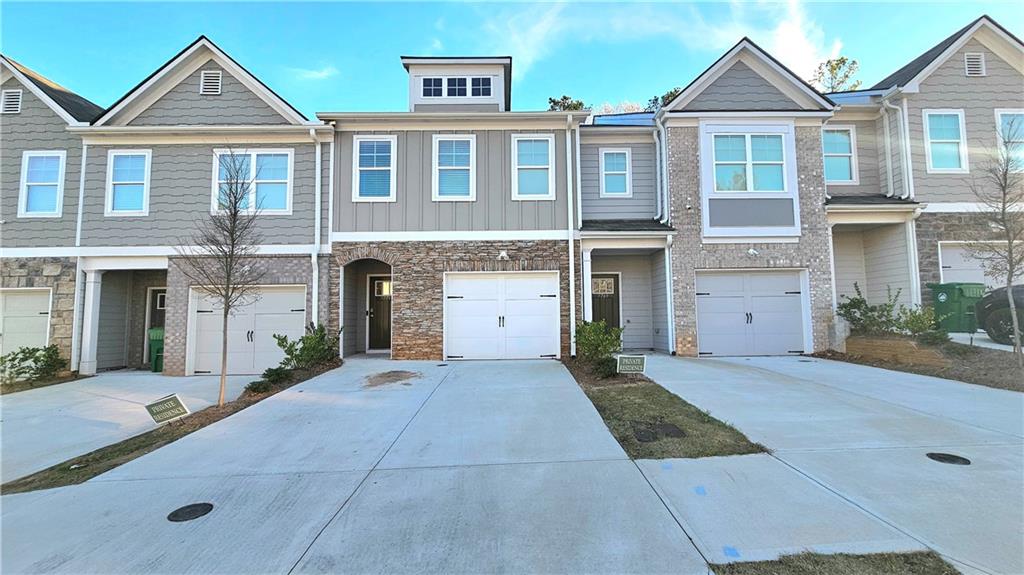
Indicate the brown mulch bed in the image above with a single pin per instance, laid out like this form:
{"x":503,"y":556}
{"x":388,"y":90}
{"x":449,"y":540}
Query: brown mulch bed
{"x":969,"y":364}
{"x":914,"y":563}
{"x":85,"y":467}
{"x":19,"y":386}
{"x":586,"y":377}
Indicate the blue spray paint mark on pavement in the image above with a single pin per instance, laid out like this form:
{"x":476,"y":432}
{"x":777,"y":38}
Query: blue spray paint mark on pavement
{"x":699,"y":490}
{"x":731,"y":552}
{"x":666,"y":465}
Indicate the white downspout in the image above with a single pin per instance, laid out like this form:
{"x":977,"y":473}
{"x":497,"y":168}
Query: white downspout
{"x":76,"y":309}
{"x":888,"y":153}
{"x":330,"y":189}
{"x":81,"y":196}
{"x":569,"y":166}
{"x":903,"y":148}
{"x":667,"y":216}
{"x":671,"y":300}
{"x":579,"y":190}
{"x":910,"y":158}
{"x":315,"y":252}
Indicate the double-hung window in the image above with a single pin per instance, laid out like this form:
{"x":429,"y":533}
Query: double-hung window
{"x":263,"y":179}
{"x":480,"y":87}
{"x":748,"y":180}
{"x":616,"y":173}
{"x":1010,"y":136}
{"x":41,"y":193}
{"x":533,"y":168}
{"x":945,"y":141}
{"x":839,"y":145}
{"x":373,"y":168}
{"x":432,"y":87}
{"x":454,"y":168}
{"x":128,"y":183}
{"x":456,"y":87}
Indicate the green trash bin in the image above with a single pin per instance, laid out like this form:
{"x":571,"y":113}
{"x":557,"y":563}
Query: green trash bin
{"x":156,"y":349}
{"x":954,"y":305}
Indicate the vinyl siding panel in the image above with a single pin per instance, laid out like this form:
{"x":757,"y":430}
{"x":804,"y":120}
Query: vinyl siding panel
{"x":849,"y":263}
{"x":111,"y":344}
{"x":184,"y":106}
{"x":948,"y":87}
{"x":659,"y":305}
{"x":741,"y":88}
{"x":636,"y":311}
{"x":180,"y":195}
{"x":870,"y":150}
{"x":414,"y":209}
{"x":36,"y":128}
{"x":643,"y":203}
{"x":886,"y":264}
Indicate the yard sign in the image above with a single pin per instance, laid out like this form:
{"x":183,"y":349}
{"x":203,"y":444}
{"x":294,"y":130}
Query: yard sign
{"x":631,"y":363}
{"x":167,"y":409}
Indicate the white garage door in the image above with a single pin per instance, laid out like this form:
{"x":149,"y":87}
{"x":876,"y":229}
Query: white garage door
{"x":501,"y":316}
{"x":24,"y":318}
{"x":749,"y":313}
{"x":251,"y":329}
{"x":959,"y":266}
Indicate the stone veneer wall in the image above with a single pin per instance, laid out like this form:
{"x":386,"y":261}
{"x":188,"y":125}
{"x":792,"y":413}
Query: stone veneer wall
{"x":58,"y":274}
{"x":417,"y":274}
{"x":931,"y":228}
{"x":689,"y":253}
{"x":278,"y":270}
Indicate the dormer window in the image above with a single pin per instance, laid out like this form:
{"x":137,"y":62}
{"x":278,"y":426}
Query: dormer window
{"x":432,"y":87}
{"x":974,"y":64}
{"x":456,"y":87}
{"x":481,"y":87}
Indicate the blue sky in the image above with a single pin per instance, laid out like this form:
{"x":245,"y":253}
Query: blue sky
{"x":344,"y":56}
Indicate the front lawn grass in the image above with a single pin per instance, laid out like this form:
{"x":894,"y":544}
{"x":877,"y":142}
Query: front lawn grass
{"x":25,"y":385}
{"x":917,"y":563}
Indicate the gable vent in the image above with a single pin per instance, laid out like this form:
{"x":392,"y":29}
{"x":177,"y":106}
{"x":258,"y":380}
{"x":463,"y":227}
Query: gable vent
{"x":209,"y":83}
{"x":11,"y":102}
{"x":974,"y":64}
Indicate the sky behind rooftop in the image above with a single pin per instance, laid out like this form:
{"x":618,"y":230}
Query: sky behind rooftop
{"x":345,"y":56}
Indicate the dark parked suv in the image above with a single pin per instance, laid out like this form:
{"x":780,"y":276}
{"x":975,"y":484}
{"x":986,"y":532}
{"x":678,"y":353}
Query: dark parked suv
{"x":993,"y":313}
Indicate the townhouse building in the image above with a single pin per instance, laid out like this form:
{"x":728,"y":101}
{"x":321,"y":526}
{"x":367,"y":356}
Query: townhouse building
{"x":729,"y":222}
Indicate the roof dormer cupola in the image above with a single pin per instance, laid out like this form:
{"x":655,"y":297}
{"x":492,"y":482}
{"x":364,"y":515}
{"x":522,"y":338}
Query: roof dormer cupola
{"x":458,"y":84}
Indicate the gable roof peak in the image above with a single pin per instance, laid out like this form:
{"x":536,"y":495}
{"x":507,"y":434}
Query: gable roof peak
{"x":72,"y":107}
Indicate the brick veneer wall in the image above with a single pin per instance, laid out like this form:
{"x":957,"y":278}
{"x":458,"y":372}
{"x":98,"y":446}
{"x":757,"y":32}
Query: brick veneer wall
{"x":931,"y":228}
{"x":417,"y":274}
{"x":58,"y":274}
{"x":277,"y":270}
{"x":689,"y":253}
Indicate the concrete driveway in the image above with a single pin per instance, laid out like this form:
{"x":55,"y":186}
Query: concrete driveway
{"x":470,"y":467}
{"x":859,"y":433}
{"x":42,"y":427}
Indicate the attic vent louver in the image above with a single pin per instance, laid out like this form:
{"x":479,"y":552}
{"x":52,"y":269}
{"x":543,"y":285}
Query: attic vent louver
{"x":974,"y":64}
{"x":11,"y":102}
{"x":209,"y":83}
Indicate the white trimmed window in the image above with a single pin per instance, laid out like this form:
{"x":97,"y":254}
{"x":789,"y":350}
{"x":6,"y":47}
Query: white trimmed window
{"x":373,"y":168}
{"x":42,"y":184}
{"x":454,"y":168}
{"x":1010,"y":129}
{"x":616,"y":173}
{"x":456,"y":87}
{"x":533,"y":167}
{"x":945,"y":141}
{"x":749,"y":181}
{"x":127,"y":183}
{"x":839,"y":146}
{"x":266,"y":175}
{"x":433,"y":87}
{"x":480,"y":87}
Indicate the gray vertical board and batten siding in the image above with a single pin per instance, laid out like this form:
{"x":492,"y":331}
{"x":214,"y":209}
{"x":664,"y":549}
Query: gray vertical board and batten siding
{"x":183,"y":105}
{"x":868,"y":155}
{"x":644,"y":312}
{"x":414,"y":210}
{"x":36,"y":128}
{"x":659,"y":301}
{"x":111,"y":342}
{"x":180,"y":195}
{"x":643,"y":203}
{"x":741,"y":88}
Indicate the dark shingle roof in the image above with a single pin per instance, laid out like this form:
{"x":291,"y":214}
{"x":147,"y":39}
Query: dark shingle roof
{"x":78,"y":107}
{"x":625,"y":226}
{"x":874,"y":200}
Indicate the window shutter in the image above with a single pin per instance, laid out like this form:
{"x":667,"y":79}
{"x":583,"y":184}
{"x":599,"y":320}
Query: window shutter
{"x":11,"y":102}
{"x":974,"y":64}
{"x":209,"y":83}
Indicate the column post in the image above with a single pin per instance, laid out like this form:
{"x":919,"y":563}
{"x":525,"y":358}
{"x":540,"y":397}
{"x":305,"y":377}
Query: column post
{"x":588,"y":303}
{"x":90,"y":321}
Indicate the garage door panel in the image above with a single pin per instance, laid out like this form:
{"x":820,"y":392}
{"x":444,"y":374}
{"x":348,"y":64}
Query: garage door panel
{"x":530,"y":287}
{"x":721,"y":304}
{"x":761,"y":320}
{"x":779,"y":304}
{"x":720,"y":283}
{"x":959,"y":266}
{"x":772,"y":282}
{"x":528,"y":347}
{"x":722,"y":344}
{"x":277,"y":300}
{"x":478,"y":288}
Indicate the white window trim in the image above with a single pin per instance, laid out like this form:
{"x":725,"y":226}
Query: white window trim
{"x":515,"y":167}
{"x":853,"y":153}
{"x":252,"y":152}
{"x":490,"y":86}
{"x":450,"y":79}
{"x":423,"y":87}
{"x":435,"y":171}
{"x":392,"y":196}
{"x":21,"y":100}
{"x":23,"y":187}
{"x":742,"y":234}
{"x":749,"y":164}
{"x":108,"y":206}
{"x":628,"y":172}
{"x":964,"y":166}
{"x":1000,"y":112}
{"x":468,"y":98}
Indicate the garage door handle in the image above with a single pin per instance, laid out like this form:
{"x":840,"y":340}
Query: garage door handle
{"x":548,"y":295}
{"x":793,"y":292}
{"x":44,"y":313}
{"x":750,"y":317}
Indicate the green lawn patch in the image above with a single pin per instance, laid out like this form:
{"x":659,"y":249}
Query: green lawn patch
{"x":918,"y":563}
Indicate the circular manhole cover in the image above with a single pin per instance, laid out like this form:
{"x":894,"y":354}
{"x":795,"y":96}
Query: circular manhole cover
{"x":190,"y":512}
{"x":948,"y":458}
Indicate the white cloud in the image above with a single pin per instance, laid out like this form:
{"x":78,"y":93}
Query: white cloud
{"x":436,"y":45}
{"x":317,"y":74}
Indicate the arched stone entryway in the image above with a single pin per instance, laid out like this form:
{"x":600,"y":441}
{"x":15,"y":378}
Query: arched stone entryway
{"x":364,"y":301}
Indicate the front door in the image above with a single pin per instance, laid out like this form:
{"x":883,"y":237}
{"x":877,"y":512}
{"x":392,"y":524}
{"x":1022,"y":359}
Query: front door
{"x":379,"y":313}
{"x":605,"y":299}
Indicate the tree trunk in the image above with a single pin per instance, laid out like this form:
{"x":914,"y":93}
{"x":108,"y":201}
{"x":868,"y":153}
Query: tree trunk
{"x":1014,"y":323}
{"x":223,"y":357}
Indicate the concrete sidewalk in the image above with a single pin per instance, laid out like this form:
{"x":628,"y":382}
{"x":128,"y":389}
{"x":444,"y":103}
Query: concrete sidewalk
{"x":42,"y":427}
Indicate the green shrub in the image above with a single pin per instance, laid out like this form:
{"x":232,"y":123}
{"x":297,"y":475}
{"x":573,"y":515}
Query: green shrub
{"x":276,"y":375}
{"x":933,"y":337}
{"x":259,"y":386}
{"x":596,"y":341}
{"x":31,"y":364}
{"x":605,"y":367}
{"x":890,"y":318}
{"x":313,"y":349}
{"x":917,"y":321}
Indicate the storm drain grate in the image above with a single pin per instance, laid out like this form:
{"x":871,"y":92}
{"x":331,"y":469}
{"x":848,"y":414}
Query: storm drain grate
{"x":190,"y":512}
{"x":948,"y":458}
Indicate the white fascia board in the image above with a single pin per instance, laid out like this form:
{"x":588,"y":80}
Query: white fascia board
{"x":31,"y":86}
{"x":134,"y":251}
{"x":512,"y":235}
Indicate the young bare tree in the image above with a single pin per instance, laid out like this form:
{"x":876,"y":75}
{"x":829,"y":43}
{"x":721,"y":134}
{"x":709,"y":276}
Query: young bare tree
{"x":218,"y":257}
{"x":836,"y":75}
{"x":999,"y":186}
